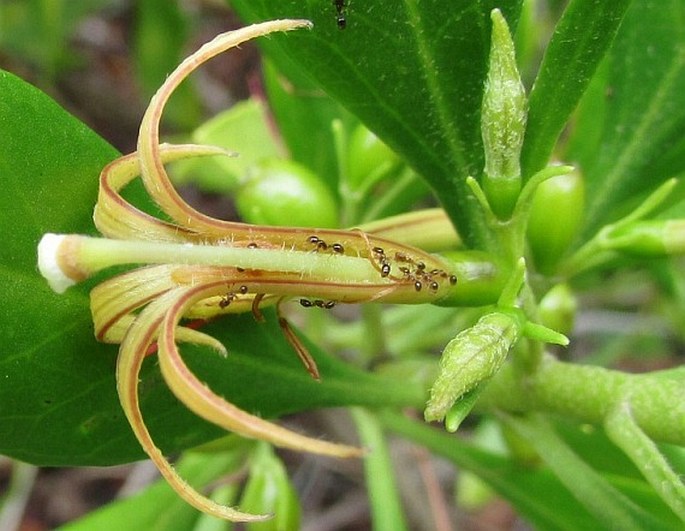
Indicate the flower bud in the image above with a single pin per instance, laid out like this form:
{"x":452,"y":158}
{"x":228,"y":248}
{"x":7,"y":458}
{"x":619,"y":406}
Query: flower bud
{"x":558,"y":308}
{"x":283,"y":192}
{"x":556,"y":215}
{"x":470,"y":359}
{"x":503,"y":122}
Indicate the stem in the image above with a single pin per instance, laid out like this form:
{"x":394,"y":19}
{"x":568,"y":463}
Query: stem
{"x":386,"y":506}
{"x":373,"y":343}
{"x":589,"y":394}
{"x":627,"y":435}
{"x":14,"y":502}
{"x":603,"y":500}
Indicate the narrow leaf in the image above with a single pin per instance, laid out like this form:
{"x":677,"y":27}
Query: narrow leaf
{"x":603,"y":500}
{"x":579,"y":43}
{"x":636,"y":108}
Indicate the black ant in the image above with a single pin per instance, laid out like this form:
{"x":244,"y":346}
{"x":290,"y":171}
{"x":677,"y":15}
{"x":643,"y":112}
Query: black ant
{"x":340,"y":6}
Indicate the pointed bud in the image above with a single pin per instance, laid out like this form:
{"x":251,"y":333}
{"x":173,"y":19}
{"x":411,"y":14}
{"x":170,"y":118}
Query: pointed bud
{"x":503,"y":121}
{"x":470,"y":359}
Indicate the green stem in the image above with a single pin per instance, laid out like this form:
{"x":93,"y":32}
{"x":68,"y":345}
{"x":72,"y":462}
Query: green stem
{"x":373,"y":344}
{"x":404,"y":181}
{"x":100,"y":253}
{"x":603,"y":500}
{"x":589,"y":394}
{"x":627,"y":435}
{"x":386,"y":506}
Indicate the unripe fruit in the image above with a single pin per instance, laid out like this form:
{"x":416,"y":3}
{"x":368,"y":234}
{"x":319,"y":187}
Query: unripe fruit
{"x":283,"y":192}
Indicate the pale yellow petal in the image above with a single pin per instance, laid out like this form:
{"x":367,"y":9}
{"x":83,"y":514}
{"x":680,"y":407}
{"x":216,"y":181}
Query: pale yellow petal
{"x":139,"y":338}
{"x":207,"y":404}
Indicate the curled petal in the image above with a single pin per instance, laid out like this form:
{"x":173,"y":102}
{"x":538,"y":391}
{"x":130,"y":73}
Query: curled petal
{"x":136,"y":343}
{"x":115,"y":217}
{"x":154,"y":175}
{"x":205,"y":403}
{"x":113,"y":302}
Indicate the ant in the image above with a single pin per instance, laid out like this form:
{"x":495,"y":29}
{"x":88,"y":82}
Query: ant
{"x":340,"y":6}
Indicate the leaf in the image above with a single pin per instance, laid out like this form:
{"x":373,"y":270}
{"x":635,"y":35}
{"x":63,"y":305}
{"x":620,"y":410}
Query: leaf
{"x":635,"y":107}
{"x":611,"y":507}
{"x":304,"y":114}
{"x":412,"y":71}
{"x":58,"y":401}
{"x":535,"y":493}
{"x":580,"y":41}
{"x":158,"y":507}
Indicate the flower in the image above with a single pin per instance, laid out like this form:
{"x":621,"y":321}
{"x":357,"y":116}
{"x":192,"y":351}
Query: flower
{"x":198,"y":266}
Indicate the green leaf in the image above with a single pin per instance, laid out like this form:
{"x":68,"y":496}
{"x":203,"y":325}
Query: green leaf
{"x":304,"y":114}
{"x":610,"y":506}
{"x":159,"y":507}
{"x":635,"y":108}
{"x":413,"y":72}
{"x":58,"y":401}
{"x":579,"y":43}
{"x":535,"y":493}
{"x":242,"y":129}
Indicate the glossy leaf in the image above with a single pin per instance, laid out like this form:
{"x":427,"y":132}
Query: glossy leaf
{"x":58,"y":403}
{"x":413,"y":72}
{"x":579,"y":43}
{"x":635,"y":108}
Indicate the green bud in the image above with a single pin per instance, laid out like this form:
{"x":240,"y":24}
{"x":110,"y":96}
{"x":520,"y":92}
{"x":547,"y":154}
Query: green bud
{"x":649,"y":238}
{"x":283,"y":192}
{"x":269,"y":491}
{"x":503,"y":122}
{"x":556,"y":215}
{"x":471,"y":359}
{"x":558,"y":308}
{"x":367,"y":155}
